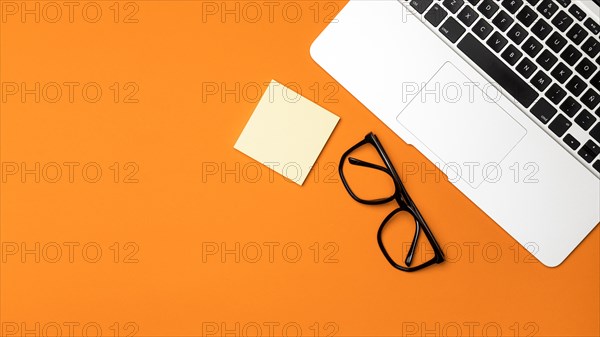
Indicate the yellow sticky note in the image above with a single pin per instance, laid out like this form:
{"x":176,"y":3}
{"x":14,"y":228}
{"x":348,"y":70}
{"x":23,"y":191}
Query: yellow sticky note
{"x":286,"y":132}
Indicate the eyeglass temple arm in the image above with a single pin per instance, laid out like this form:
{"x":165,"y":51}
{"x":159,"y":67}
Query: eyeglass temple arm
{"x":391,"y":170}
{"x":408,"y":201}
{"x":359,"y":162}
{"x":413,"y":246}
{"x":419,"y":219}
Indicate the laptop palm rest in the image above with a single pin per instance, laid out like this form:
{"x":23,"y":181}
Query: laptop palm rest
{"x":460,"y":122}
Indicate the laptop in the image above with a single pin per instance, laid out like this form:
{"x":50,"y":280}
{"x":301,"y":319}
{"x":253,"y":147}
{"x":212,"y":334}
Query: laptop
{"x":503,"y":96}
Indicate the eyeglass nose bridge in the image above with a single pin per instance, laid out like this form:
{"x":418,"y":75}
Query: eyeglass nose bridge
{"x":413,"y":246}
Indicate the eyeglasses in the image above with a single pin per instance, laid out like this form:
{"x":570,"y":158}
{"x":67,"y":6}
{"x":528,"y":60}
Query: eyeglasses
{"x":406,"y":207}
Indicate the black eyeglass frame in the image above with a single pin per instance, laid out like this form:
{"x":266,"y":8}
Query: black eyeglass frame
{"x":405,"y":204}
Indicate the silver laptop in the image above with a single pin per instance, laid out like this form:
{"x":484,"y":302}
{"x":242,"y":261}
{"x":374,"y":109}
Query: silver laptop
{"x":503,"y":96}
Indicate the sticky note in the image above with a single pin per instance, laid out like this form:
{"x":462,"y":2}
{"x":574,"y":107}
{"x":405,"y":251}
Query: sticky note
{"x":286,"y":132}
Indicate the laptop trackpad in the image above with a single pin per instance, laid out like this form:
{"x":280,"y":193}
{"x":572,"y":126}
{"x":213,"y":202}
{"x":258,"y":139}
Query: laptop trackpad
{"x":461,"y":124}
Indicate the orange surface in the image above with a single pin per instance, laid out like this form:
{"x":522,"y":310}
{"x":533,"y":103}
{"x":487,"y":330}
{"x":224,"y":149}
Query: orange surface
{"x":179,"y":196}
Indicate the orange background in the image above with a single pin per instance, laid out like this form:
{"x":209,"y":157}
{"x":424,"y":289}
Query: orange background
{"x":194,"y":192}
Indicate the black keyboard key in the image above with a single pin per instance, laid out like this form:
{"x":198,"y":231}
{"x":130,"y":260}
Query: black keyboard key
{"x":453,"y":5}
{"x":526,"y":68}
{"x":564,"y":3}
{"x":595,"y":81}
{"x":532,"y":47}
{"x":512,"y":5}
{"x":488,"y":8}
{"x":533,"y":2}
{"x":452,"y":30}
{"x":468,"y":16}
{"x":435,"y":15}
{"x":527,"y":16}
{"x":570,"y":106}
{"x":561,"y":72}
{"x":473,"y":2}
{"x":592,"y":26}
{"x":586,"y":155}
{"x":586,"y":68}
{"x":560,"y":125}
{"x":503,"y":20}
{"x":420,"y":5}
{"x":571,"y":55}
{"x":577,"y":33}
{"x":497,"y":70}
{"x":482,"y":29}
{"x":592,"y":147}
{"x":577,"y":12}
{"x":590,"y":99}
{"x":589,"y":151}
{"x":546,"y":59}
{"x":562,"y":21}
{"x":585,"y":119}
{"x":497,"y":42}
{"x":541,"y":29}
{"x":547,"y":8}
{"x":517,"y":33}
{"x":543,"y":110}
{"x":541,"y":81}
{"x":595,"y":132}
{"x":597,"y":165}
{"x":511,"y":54}
{"x":576,"y":85}
{"x":571,"y":142}
{"x":555,"y":94}
{"x":556,"y":42}
{"x":591,"y":47}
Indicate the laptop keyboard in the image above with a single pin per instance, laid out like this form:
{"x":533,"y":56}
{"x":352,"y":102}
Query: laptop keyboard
{"x":544,"y":53}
